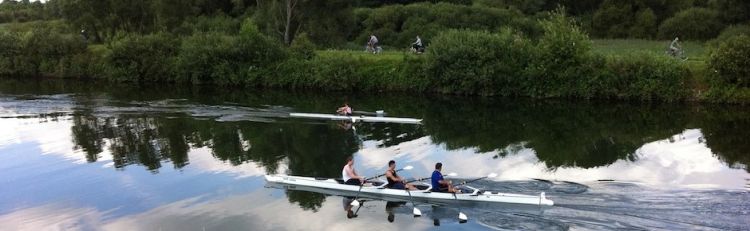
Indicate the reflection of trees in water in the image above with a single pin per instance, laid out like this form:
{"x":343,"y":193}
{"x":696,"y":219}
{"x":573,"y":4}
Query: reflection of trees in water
{"x":389,"y":134}
{"x":306,"y":200}
{"x":310,"y":150}
{"x":727,"y":134}
{"x":561,"y":133}
{"x":87,"y":137}
{"x":583,"y":134}
{"x":151,"y":140}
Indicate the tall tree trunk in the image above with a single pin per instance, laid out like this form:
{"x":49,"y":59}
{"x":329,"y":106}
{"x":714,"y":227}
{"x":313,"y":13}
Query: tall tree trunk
{"x":290,"y":5}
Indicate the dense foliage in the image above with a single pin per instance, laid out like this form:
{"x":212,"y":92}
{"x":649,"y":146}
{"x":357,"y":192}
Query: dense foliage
{"x":504,"y":47}
{"x":468,"y":62}
{"x":731,"y":61}
{"x":692,"y":24}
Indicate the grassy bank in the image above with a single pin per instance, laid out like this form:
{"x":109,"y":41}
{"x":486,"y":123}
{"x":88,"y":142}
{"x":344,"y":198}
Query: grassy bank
{"x":561,"y":62}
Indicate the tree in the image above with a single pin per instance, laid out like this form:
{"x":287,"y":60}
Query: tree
{"x":281,"y":17}
{"x":692,"y":24}
{"x":645,"y":24}
{"x":613,"y":19}
{"x":284,"y":19}
{"x":732,"y":11}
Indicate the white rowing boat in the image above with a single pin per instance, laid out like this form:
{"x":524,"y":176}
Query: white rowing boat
{"x":356,"y":118}
{"x":376,"y":190}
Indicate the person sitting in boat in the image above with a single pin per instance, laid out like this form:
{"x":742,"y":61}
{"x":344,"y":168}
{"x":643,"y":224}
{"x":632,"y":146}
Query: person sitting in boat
{"x":345,"y":110}
{"x":439,"y":184}
{"x":349,"y":175}
{"x":394,"y":181}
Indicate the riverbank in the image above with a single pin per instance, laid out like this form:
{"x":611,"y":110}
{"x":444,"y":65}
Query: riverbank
{"x":560,"y":63}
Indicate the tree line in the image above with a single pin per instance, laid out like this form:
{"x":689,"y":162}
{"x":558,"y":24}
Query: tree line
{"x":273,"y":43}
{"x":334,"y":22}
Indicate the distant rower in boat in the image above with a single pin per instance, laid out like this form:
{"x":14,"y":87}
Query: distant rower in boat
{"x":439,"y":184}
{"x":349,"y":175}
{"x":394,"y":181}
{"x":345,"y":110}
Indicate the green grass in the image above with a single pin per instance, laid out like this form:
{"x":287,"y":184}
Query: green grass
{"x":695,"y":51}
{"x":22,"y":27}
{"x":385,"y":55}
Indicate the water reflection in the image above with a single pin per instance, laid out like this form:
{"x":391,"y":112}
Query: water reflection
{"x":152,"y":126}
{"x":245,"y":133}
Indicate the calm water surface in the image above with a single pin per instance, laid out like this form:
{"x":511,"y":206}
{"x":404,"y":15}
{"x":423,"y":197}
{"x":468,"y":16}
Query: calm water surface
{"x":92,"y":156}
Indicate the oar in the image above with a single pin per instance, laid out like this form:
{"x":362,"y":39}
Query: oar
{"x":453,"y":174}
{"x":365,"y":113}
{"x":355,"y":202}
{"x":462,"y":218}
{"x":491,"y":175}
{"x":415,"y":210}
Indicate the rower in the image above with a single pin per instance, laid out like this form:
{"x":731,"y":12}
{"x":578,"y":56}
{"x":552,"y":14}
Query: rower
{"x":345,"y":110}
{"x":350,"y":176}
{"x":439,"y":184}
{"x":394,"y":181}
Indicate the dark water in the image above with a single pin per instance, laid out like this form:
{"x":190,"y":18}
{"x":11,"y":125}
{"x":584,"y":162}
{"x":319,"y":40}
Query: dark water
{"x":92,"y":156}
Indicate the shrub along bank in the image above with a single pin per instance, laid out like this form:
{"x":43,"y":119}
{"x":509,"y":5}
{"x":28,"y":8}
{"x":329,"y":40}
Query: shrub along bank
{"x":506,"y":62}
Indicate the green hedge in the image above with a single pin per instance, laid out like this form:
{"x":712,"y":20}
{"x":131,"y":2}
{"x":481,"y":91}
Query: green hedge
{"x":561,"y":66}
{"x":42,"y":51}
{"x":646,"y":76}
{"x":10,"y":50}
{"x":142,"y":58}
{"x":731,"y":61}
{"x":477,"y":62}
{"x":349,"y":73}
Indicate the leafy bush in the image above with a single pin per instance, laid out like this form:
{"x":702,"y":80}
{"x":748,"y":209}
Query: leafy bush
{"x":260,"y":49}
{"x":646,"y":76}
{"x":731,"y":61}
{"x":46,"y":52}
{"x":692,"y":24}
{"x":729,"y":32}
{"x":232,"y":60}
{"x":302,"y":47}
{"x":10,"y":49}
{"x":561,"y":63}
{"x":143,"y":58}
{"x":475,"y":62}
{"x":217,"y":24}
{"x":209,"y":58}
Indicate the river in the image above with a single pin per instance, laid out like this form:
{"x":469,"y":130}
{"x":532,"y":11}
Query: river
{"x":81,"y":155}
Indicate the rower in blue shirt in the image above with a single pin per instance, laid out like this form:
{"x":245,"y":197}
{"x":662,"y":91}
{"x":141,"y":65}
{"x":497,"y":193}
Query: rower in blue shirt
{"x":439,"y":184}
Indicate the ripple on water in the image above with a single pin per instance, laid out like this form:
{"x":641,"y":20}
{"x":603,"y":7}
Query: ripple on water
{"x":519,"y":221}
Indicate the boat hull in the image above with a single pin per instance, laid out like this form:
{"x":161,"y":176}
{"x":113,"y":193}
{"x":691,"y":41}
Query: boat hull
{"x":356,"y":118}
{"x":331,"y":186}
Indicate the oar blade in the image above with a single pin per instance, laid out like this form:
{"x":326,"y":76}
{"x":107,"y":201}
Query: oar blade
{"x":462,"y":218}
{"x":416,"y":212}
{"x":355,"y":203}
